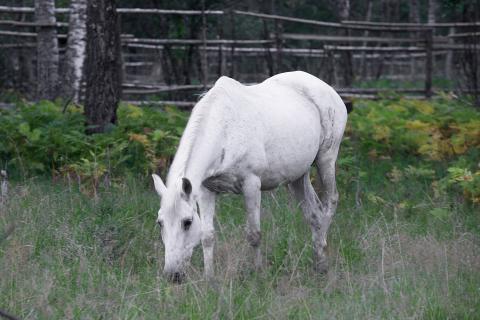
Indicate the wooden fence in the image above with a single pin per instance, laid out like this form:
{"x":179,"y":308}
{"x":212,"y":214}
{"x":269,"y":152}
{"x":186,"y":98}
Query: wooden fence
{"x":408,"y":50}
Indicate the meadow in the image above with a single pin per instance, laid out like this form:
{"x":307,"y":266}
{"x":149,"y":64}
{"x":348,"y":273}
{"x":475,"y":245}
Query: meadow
{"x":405,"y":242}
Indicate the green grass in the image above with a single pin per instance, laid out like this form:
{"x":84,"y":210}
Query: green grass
{"x":396,"y":251}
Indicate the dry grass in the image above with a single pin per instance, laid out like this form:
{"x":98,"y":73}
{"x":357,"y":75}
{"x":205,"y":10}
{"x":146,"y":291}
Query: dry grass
{"x":70,"y":257}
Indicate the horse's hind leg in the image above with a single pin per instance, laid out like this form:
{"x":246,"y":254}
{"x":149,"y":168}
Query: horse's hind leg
{"x":328,"y":195}
{"x":311,"y":207}
{"x":318,"y":211}
{"x":252,"y":193}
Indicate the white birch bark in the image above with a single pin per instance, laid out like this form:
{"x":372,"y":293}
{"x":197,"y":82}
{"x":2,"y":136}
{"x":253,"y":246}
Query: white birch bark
{"x":75,"y":53}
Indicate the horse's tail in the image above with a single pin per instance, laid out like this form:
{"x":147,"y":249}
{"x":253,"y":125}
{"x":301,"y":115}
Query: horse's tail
{"x":348,"y":105}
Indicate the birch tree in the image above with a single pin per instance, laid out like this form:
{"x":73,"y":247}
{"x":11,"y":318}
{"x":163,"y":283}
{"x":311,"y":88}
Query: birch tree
{"x":47,"y":49}
{"x":75,"y":53}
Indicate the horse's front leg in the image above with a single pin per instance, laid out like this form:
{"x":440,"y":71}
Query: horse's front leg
{"x":252,"y":193}
{"x":207,"y":212}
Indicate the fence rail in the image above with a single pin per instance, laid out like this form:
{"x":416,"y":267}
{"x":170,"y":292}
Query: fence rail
{"x":418,"y":44}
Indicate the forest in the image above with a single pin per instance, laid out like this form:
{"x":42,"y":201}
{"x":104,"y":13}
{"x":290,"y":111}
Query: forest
{"x":95,"y":97}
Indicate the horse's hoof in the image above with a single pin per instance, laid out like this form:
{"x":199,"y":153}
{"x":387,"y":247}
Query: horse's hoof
{"x":321,"y":269}
{"x":258,"y":264}
{"x":321,"y":266}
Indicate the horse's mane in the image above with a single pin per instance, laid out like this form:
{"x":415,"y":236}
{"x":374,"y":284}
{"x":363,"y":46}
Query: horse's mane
{"x":193,"y":131}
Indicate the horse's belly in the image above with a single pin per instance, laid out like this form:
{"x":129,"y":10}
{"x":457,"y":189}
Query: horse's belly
{"x":290,"y":151}
{"x":287,"y":166}
{"x":275,"y":137}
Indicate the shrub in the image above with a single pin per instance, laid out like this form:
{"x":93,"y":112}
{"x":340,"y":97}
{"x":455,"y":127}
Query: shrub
{"x":436,"y":130}
{"x":43,"y":138}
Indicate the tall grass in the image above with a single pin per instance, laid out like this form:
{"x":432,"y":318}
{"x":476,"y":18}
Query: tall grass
{"x":392,"y":255}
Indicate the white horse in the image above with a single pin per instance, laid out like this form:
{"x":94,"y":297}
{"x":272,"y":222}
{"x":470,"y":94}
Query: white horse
{"x":245,"y":139}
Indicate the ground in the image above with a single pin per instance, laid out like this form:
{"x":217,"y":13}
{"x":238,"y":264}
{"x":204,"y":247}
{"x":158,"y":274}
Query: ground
{"x":397,"y":249}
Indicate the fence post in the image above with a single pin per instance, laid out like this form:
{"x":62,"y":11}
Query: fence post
{"x":449,"y":56}
{"x":428,"y":62}
{"x":268,"y":47}
{"x":233,"y":35}
{"x":3,"y":186}
{"x":204,"y":48}
{"x":278,"y":44}
{"x":221,"y":48}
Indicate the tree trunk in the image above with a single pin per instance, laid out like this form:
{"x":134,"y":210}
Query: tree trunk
{"x":75,"y":54}
{"x":103,"y":65}
{"x":47,"y":50}
{"x":470,"y":58}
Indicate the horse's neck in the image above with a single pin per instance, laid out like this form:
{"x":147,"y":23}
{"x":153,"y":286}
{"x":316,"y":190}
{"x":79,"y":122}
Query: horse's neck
{"x":199,"y":147}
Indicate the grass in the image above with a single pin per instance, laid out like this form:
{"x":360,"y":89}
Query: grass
{"x":396,"y":250}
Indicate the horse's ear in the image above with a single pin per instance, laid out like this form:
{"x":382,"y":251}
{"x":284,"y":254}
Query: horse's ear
{"x":159,"y":185}
{"x":186,"y":186}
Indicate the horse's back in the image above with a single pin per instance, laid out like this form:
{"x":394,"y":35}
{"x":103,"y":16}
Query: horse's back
{"x":296,"y":94}
{"x":332,"y":110}
{"x":323,"y":95}
{"x":275,"y":129}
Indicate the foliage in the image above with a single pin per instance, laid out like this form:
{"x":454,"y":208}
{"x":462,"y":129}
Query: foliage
{"x":437,"y":130}
{"x":443,"y":133}
{"x":40,"y":138}
{"x":466,"y":180}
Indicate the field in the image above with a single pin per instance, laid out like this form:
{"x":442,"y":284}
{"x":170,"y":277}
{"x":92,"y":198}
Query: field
{"x":403,"y":244}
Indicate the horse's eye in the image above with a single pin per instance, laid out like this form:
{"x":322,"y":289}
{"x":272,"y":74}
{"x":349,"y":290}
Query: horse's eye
{"x":160,"y":223}
{"x":187,"y":223}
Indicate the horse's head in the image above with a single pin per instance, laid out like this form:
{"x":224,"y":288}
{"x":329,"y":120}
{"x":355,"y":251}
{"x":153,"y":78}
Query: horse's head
{"x":179,"y":224}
